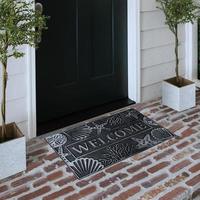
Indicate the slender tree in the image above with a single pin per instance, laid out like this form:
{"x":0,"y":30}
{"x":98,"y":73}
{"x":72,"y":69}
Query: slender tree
{"x":178,"y":12}
{"x":20,"y":24}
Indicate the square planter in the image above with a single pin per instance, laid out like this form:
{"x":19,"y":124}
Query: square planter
{"x":179,"y":98}
{"x":12,"y":152}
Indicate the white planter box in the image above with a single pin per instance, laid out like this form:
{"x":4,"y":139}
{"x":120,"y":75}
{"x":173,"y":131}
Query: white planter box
{"x":12,"y":156}
{"x":179,"y":98}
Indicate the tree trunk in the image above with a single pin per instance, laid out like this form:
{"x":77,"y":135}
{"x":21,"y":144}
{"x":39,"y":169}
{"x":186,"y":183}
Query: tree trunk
{"x":177,"y":56}
{"x":3,"y":102}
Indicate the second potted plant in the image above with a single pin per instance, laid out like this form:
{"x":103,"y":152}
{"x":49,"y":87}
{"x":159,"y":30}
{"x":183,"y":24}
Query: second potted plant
{"x":178,"y":92}
{"x":18,"y":21}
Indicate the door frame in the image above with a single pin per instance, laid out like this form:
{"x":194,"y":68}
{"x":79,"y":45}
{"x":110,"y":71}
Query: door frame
{"x":134,"y":71}
{"x":191,"y":51}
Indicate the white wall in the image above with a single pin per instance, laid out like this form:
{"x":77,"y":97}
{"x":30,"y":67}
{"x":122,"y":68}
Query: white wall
{"x":157,"y":50}
{"x":17,"y":98}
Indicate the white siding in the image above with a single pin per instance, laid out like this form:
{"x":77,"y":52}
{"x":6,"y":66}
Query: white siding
{"x":17,"y":105}
{"x":157,"y":50}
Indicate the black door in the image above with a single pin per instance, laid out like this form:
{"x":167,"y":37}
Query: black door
{"x":82,"y":60}
{"x":198,"y":49}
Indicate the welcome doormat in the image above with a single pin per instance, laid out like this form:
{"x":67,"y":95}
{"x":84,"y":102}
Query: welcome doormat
{"x":93,"y":146}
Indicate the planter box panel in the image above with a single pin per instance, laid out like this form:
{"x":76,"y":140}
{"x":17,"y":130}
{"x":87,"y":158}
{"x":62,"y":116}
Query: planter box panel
{"x":13,"y":154}
{"x":178,"y":98}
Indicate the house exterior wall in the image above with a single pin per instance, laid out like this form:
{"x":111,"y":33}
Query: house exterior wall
{"x":157,"y":63}
{"x":157,"y":50}
{"x":17,"y":99}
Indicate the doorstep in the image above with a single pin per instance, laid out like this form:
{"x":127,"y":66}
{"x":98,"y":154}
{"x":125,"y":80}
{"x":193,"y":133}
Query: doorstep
{"x":168,"y":171}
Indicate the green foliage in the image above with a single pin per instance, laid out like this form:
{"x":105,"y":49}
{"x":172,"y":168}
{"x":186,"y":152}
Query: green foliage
{"x":20,"y":24}
{"x":179,"y":12}
{"x":18,"y":20}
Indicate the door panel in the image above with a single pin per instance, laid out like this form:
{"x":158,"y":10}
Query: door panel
{"x":82,"y":60}
{"x":198,"y":49}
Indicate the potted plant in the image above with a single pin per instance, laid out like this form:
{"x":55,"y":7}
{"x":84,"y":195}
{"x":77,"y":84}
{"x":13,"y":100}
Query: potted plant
{"x":178,"y":92}
{"x":20,"y":24}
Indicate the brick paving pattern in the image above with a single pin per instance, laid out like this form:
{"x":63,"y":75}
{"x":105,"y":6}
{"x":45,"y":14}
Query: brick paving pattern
{"x":168,"y":171}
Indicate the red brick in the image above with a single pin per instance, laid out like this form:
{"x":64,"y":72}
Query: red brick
{"x":38,"y":145}
{"x":51,"y":156}
{"x":187,"y":132}
{"x":32,"y":142}
{"x":151,"y":194}
{"x":178,"y":179}
{"x":139,"y":166}
{"x":26,"y":179}
{"x":183,"y":144}
{"x":54,"y":175}
{"x":113,"y":179}
{"x":38,"y":152}
{"x":82,"y":193}
{"x":65,"y":180}
{"x":193,"y":124}
{"x":134,"y":179}
{"x":11,"y":178}
{"x":168,"y":110}
{"x":14,"y":193}
{"x":195,"y":180}
{"x":158,"y":167}
{"x":151,"y":182}
{"x":193,"y":111}
{"x":176,"y":118}
{"x":87,"y":191}
{"x":40,"y":182}
{"x":94,"y":178}
{"x":3,"y":188}
{"x":189,"y":119}
{"x":41,"y":157}
{"x":152,"y":105}
{"x":144,"y":154}
{"x":59,"y":193}
{"x":154,"y":110}
{"x":175,"y":127}
{"x":167,"y":144}
{"x":163,"y":116}
{"x":196,"y":156}
{"x":180,"y":166}
{"x":195,"y":168}
{"x":174,"y":194}
{"x":127,"y":194}
{"x":164,"y":154}
{"x":183,"y":154}
{"x":117,"y":167}
{"x":54,"y":166}
{"x":104,"y":194}
{"x":46,"y":162}
{"x":32,"y":165}
{"x":36,"y":193}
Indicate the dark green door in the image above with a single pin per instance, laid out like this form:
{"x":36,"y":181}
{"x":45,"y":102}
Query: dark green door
{"x":82,"y":60}
{"x":199,"y":49}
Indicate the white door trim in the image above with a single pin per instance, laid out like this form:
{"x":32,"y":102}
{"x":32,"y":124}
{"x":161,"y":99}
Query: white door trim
{"x":31,"y":90}
{"x":191,"y":50}
{"x":134,"y":72}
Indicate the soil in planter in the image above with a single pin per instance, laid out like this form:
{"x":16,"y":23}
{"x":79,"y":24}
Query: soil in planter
{"x":12,"y":132}
{"x":183,"y":82}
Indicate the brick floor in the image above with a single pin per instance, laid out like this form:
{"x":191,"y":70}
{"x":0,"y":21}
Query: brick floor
{"x":166,"y":172}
